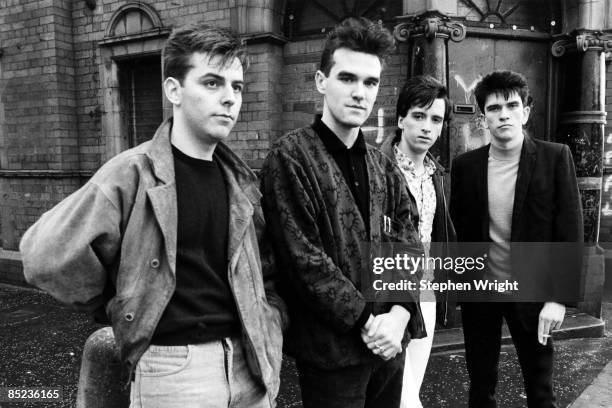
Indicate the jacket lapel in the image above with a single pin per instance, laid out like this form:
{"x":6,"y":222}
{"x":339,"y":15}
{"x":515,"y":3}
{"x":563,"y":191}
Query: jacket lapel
{"x":481,"y":175}
{"x":376,"y":188}
{"x":243,"y":195}
{"x":163,"y":196}
{"x":523,"y":178}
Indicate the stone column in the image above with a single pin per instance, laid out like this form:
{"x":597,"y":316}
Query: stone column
{"x":581,"y":127}
{"x":428,"y":35}
{"x":259,"y":23}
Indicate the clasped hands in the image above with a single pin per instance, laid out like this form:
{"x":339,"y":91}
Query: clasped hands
{"x":383,"y":333}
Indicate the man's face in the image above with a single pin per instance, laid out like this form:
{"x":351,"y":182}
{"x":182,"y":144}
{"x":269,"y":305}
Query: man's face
{"x":421,"y":127}
{"x":210,"y":97}
{"x":351,"y":87}
{"x":505,"y":117}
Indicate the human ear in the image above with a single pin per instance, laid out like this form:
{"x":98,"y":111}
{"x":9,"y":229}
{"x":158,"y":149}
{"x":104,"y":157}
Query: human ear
{"x":400,"y":122}
{"x":173,"y":90}
{"x":321,"y":82}
{"x":526,"y":112}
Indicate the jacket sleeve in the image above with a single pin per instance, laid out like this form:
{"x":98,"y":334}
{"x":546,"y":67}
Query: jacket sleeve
{"x":568,"y":228}
{"x":568,"y":222}
{"x":268,"y":268}
{"x":455,"y":179}
{"x":68,"y":251}
{"x":404,"y":209}
{"x":292,"y":218}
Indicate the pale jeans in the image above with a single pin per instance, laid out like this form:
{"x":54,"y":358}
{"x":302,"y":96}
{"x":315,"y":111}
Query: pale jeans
{"x":213,"y":374}
{"x":417,"y":356}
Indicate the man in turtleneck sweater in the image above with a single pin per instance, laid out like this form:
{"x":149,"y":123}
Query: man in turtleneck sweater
{"x":517,"y":189}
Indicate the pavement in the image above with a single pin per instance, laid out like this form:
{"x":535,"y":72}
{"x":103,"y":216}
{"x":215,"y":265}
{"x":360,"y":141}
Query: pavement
{"x":41,"y":342}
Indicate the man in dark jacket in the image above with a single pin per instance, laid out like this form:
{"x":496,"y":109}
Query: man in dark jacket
{"x":326,"y":194}
{"x":517,"y":189}
{"x":422,"y":109}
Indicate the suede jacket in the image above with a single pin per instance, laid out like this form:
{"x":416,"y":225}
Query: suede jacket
{"x":443,"y":231}
{"x":112,"y":244}
{"x":320,"y":243}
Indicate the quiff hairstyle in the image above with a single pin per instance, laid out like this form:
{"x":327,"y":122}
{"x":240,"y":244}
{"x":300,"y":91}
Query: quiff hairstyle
{"x":357,"y":34}
{"x":189,"y":39}
{"x":421,"y":91}
{"x":502,"y":83}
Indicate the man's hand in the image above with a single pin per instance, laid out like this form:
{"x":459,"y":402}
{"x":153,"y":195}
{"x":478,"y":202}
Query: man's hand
{"x":383,"y":334}
{"x":551,"y":318}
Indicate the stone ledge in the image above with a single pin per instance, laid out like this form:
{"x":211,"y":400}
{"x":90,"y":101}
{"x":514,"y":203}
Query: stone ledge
{"x":11,"y":269}
{"x":575,"y":325}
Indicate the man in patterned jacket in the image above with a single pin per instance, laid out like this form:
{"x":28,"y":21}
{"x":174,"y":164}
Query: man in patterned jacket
{"x":326,"y":193}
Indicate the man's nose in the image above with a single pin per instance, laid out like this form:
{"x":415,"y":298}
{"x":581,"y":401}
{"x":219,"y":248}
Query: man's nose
{"x":358,"y":90}
{"x":504,"y":113}
{"x":229,"y":96}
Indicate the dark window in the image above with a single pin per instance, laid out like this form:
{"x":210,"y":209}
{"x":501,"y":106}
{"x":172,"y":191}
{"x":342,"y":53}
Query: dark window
{"x":140,"y":83}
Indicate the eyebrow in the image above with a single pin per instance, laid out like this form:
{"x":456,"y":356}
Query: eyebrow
{"x":210,"y":75}
{"x":345,"y":73}
{"x":352,"y":75}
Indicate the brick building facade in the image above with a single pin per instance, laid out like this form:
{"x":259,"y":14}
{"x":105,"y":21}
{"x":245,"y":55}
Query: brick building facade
{"x":80,"y":80}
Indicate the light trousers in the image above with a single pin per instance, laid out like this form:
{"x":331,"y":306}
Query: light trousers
{"x":417,"y":356}
{"x":209,"y":375}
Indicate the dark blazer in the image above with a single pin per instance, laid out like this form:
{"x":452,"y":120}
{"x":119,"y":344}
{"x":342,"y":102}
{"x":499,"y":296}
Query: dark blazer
{"x":547,"y":209}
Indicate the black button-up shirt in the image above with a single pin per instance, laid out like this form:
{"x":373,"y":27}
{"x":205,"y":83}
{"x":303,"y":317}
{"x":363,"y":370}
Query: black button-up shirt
{"x":352,"y":163}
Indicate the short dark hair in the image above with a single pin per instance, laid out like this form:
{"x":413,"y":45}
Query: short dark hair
{"x":200,"y":37}
{"x":357,"y":34}
{"x":502,"y":83}
{"x":422,"y":91}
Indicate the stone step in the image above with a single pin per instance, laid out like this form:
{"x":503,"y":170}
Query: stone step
{"x":575,"y":325}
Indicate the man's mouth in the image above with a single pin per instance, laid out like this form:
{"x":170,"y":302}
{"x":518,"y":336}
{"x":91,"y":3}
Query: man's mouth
{"x":357,"y":107}
{"x":225,"y":116}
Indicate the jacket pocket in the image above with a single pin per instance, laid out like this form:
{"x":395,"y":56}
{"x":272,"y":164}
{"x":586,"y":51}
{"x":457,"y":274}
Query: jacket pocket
{"x":392,"y":230}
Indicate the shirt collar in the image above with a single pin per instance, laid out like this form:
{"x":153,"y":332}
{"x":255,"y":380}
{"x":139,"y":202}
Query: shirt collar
{"x":405,"y":163}
{"x":332,"y":143}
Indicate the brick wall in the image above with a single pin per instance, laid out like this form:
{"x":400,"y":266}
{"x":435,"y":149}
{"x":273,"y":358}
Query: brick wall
{"x":25,"y":199}
{"x":38,"y":125}
{"x":38,"y":100}
{"x":260,"y":117}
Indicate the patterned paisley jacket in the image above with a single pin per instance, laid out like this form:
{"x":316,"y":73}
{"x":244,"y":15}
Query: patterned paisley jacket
{"x":318,"y":235}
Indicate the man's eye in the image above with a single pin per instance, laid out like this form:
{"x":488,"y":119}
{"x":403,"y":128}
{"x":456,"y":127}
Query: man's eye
{"x":437,"y":120}
{"x":238,"y":88}
{"x":210,"y":84}
{"x":371,"y":83}
{"x":346,"y":79}
{"x":417,"y":116}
